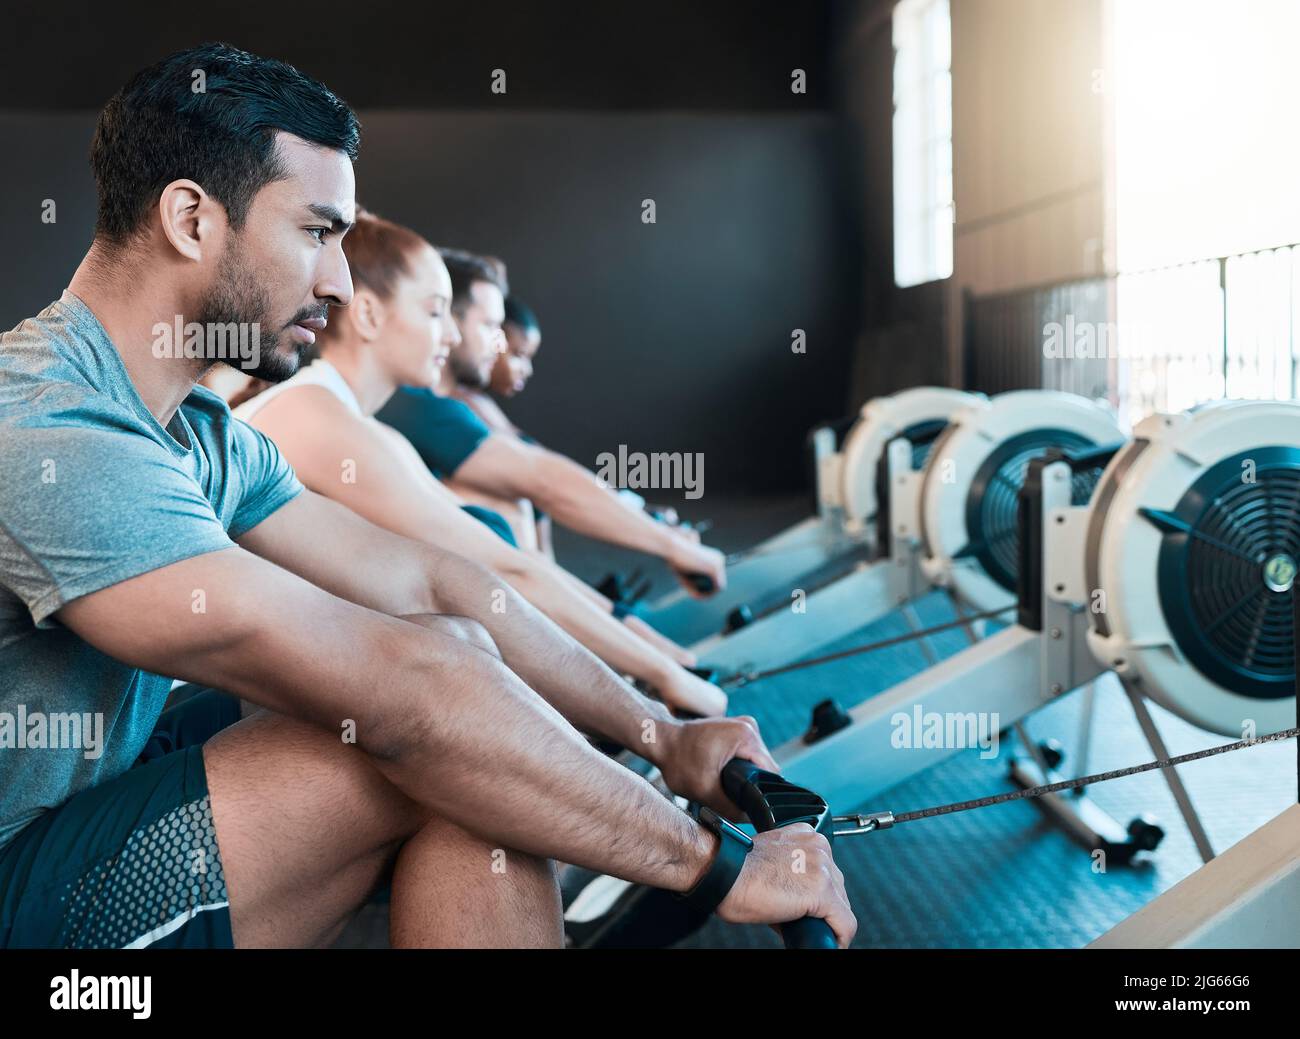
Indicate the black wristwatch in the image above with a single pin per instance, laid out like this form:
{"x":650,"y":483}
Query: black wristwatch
{"x":733,"y":846}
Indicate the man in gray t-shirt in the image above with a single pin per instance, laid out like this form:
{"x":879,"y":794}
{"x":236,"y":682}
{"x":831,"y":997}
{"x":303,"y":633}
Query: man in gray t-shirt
{"x":94,"y":492}
{"x":418,"y":715}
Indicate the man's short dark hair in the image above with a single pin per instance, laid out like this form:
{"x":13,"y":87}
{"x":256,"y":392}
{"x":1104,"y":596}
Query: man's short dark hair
{"x":207,"y":114}
{"x":520,"y":314}
{"x":466,"y":268}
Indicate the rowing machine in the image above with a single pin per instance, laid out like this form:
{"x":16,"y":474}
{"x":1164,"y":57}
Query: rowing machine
{"x":931,"y":480}
{"x":842,"y":531}
{"x":1178,"y":576}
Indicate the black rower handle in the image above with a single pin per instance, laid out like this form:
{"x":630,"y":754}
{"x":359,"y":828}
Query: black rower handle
{"x":770,"y":801}
{"x":701,"y":582}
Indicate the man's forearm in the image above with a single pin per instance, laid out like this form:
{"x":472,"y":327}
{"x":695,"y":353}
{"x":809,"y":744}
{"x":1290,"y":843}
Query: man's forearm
{"x":586,"y":591}
{"x":578,"y":500}
{"x":456,"y":731}
{"x":568,"y":676}
{"x":543,"y":584}
{"x":552,"y":794}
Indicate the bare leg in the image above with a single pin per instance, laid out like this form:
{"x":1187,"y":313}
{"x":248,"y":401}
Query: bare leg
{"x":451,"y":890}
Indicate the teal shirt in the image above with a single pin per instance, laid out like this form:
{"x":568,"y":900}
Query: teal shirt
{"x":444,"y":430}
{"x":93,"y":491}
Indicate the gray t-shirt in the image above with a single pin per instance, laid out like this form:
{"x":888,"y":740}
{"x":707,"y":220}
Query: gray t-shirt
{"x":93,"y":491}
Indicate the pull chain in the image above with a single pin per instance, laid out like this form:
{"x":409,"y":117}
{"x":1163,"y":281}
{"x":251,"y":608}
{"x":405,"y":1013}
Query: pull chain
{"x":747,"y":677}
{"x":867,"y":822}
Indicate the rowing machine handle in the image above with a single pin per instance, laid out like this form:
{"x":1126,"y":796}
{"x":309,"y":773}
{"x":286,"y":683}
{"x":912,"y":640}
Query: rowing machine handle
{"x":702,"y":583}
{"x":749,"y":786}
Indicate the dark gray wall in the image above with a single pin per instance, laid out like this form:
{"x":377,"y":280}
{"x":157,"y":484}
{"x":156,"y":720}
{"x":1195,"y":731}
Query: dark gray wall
{"x":672,"y":336}
{"x":666,"y":337}
{"x":559,"y":54}
{"x":44,"y":158}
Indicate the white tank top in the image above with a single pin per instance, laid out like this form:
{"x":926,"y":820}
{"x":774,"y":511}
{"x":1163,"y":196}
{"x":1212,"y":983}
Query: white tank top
{"x":319,"y":373}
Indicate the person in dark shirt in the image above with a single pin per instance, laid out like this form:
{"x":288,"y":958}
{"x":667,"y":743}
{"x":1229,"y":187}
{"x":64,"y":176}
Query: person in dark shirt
{"x":510,"y":374}
{"x":456,"y":444}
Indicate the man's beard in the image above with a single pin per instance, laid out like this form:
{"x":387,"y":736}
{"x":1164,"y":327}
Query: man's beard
{"x":237,"y":296}
{"x":466,"y":372}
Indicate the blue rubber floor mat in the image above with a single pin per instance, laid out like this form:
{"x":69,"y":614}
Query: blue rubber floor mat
{"x":1003,"y":876}
{"x":783,"y":704}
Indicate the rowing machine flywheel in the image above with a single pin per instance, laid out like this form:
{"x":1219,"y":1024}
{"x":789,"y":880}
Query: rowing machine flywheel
{"x":974,"y":475}
{"x":1193,"y":550}
{"x":917,"y":414}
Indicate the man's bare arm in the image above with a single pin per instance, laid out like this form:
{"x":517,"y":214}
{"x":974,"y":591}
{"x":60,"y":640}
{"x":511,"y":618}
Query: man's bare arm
{"x":335,"y":549}
{"x":575,"y":497}
{"x":446,"y":722}
{"x":389,"y":485}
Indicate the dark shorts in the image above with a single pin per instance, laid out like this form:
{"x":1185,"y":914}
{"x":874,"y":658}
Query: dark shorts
{"x":132,"y":862}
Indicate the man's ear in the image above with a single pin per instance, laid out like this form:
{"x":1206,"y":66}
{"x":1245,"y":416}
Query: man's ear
{"x":188,"y":218}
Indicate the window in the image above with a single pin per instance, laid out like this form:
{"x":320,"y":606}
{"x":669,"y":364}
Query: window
{"x":1205,"y":188}
{"x":923,"y":208}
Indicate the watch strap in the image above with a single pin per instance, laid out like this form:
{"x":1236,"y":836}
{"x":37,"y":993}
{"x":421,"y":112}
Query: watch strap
{"x":733,"y":845}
